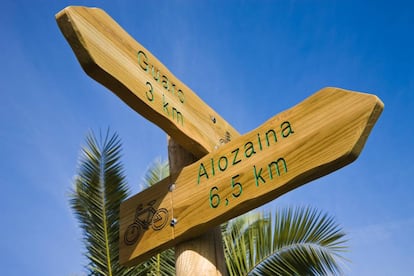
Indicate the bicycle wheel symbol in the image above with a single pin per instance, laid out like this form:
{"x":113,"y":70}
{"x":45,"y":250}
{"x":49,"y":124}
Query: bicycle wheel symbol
{"x":145,"y":217}
{"x":160,"y":219}
{"x":132,"y":234}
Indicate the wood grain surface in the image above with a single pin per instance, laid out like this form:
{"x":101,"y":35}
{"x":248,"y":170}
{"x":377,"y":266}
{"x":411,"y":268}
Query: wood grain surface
{"x":316,"y":137}
{"x":108,"y":54}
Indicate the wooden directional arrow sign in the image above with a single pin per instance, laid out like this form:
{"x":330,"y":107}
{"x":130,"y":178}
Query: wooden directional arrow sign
{"x":320,"y":135}
{"x":112,"y":57}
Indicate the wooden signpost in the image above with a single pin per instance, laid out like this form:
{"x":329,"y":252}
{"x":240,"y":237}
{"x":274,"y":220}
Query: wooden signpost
{"x":322,"y":134}
{"x":112,"y":57}
{"x":316,"y":137}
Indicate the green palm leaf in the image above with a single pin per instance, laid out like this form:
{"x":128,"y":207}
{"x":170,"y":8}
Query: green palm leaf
{"x":299,"y":241}
{"x":156,"y":172}
{"x":99,"y":189}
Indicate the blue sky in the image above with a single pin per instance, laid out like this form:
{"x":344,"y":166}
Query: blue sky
{"x":249,"y":60}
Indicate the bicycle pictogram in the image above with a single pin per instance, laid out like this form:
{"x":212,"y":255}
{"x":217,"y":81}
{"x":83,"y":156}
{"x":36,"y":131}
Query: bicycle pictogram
{"x":144,"y":218}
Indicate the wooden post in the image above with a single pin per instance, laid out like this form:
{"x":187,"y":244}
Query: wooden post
{"x":203,"y":255}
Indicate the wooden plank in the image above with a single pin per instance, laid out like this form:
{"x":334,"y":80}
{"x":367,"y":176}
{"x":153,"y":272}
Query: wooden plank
{"x":108,"y":54}
{"x":146,"y":221}
{"x":316,"y":137}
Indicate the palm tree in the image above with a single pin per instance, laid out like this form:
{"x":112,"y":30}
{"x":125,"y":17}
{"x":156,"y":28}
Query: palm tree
{"x":99,"y":189}
{"x":298,"y":241}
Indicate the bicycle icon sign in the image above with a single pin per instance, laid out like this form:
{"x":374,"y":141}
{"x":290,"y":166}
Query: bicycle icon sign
{"x":144,"y":218}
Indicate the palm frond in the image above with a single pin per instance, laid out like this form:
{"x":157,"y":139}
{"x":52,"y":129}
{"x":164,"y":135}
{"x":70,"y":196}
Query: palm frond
{"x":162,"y":264}
{"x":156,"y":172}
{"x":99,"y":189}
{"x":299,"y":241}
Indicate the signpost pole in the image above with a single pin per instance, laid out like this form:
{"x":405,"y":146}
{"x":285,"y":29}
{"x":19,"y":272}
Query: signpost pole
{"x":205,"y":253}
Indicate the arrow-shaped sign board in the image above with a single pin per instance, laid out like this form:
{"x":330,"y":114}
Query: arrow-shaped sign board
{"x":112,"y":57}
{"x":318,"y":136}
